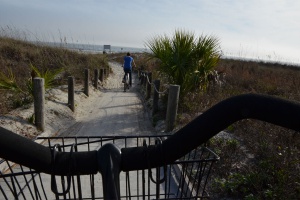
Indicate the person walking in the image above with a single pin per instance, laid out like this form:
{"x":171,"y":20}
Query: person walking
{"x":127,"y":66}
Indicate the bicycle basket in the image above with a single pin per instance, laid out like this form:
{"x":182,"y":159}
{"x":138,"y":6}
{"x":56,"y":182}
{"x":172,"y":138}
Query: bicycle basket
{"x":184,"y":179}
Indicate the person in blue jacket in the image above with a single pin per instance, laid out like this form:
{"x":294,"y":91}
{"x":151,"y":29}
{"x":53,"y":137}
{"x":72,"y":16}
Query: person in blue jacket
{"x":127,"y":66}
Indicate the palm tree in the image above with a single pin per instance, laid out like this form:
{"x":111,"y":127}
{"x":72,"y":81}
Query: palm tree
{"x":184,"y":59}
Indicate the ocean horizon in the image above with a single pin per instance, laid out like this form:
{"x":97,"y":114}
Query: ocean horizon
{"x":95,"y":48}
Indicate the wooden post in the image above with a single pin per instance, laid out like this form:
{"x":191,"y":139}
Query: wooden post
{"x":155,"y":96}
{"x":96,"y":77}
{"x":39,"y":103}
{"x":145,"y":79}
{"x":71,"y":91}
{"x":105,"y":73}
{"x":139,"y":74}
{"x":148,"y":89}
{"x":33,"y":75}
{"x":172,"y":107}
{"x":101,"y":75}
{"x":142,"y":78}
{"x":86,"y":81}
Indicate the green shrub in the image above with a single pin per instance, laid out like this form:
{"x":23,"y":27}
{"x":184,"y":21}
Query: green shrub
{"x":184,"y":59}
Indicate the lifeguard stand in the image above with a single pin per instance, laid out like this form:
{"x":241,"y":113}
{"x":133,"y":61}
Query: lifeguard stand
{"x":106,"y":48}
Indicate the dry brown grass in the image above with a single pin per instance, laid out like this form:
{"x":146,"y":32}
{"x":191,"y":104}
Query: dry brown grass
{"x":19,"y":55}
{"x":259,"y":160}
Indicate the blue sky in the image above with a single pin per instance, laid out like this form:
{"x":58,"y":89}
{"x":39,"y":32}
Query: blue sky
{"x":267,"y":29}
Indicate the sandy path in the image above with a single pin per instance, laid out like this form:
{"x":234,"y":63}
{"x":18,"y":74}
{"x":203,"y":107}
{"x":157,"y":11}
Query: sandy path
{"x":112,"y":112}
{"x":107,"y":111}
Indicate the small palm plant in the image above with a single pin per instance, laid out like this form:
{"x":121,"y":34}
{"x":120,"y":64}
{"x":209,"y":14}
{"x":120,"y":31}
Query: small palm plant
{"x":8,"y":82}
{"x":48,"y":76}
{"x":184,"y":59}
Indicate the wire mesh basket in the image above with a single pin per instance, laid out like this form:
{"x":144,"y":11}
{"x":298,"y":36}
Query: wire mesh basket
{"x":186,"y":178}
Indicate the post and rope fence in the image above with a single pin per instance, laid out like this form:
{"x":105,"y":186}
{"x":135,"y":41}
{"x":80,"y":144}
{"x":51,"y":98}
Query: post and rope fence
{"x":39,"y":103}
{"x":86,"y":81}
{"x":101,"y":75}
{"x":39,"y":94}
{"x":148,"y":87}
{"x":96,"y":77}
{"x":172,"y":108}
{"x":173,"y":98}
{"x":146,"y":82}
{"x":71,"y":93}
{"x":155,"y":96}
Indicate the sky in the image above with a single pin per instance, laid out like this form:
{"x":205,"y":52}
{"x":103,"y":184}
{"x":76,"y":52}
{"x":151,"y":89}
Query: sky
{"x":259,"y":29}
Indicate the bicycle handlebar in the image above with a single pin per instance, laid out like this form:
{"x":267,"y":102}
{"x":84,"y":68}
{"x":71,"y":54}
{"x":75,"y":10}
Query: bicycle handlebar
{"x":269,"y":109}
{"x":26,"y":152}
{"x":265,"y":108}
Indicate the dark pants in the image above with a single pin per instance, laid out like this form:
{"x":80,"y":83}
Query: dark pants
{"x":130,"y":79}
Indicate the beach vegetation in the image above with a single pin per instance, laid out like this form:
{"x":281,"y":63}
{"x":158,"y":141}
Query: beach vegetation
{"x":8,"y":81}
{"x":48,"y":75}
{"x":185,"y":59}
{"x":20,"y":58}
{"x":258,"y":160}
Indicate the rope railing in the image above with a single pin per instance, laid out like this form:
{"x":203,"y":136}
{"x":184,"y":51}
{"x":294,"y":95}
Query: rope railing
{"x":154,"y":87}
{"x":173,"y":98}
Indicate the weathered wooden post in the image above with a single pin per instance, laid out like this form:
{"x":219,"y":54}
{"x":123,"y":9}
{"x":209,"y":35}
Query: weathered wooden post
{"x":71,"y":91}
{"x":142,"y":78}
{"x":105,"y":73}
{"x":86,"y":81}
{"x":155,"y":96}
{"x":148,"y":94}
{"x":39,"y":103}
{"x":101,"y":75}
{"x":33,"y":75}
{"x":96,"y":77}
{"x":139,"y":74}
{"x":145,"y":79}
{"x":172,"y":107}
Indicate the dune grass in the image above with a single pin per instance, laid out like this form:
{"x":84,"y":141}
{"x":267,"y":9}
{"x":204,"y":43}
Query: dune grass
{"x":258,"y":160}
{"x":264,"y":163}
{"x":18,"y":59}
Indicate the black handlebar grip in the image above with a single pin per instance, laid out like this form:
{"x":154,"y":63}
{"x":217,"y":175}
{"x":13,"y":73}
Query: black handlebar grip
{"x":26,"y":152}
{"x":265,"y":108}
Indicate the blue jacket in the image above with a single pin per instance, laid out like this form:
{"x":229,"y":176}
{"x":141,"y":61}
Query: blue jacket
{"x":127,"y":62}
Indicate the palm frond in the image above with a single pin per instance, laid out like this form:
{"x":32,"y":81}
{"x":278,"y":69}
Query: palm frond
{"x":8,"y":82}
{"x":35,"y":70}
{"x":182,"y":55}
{"x":48,"y":76}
